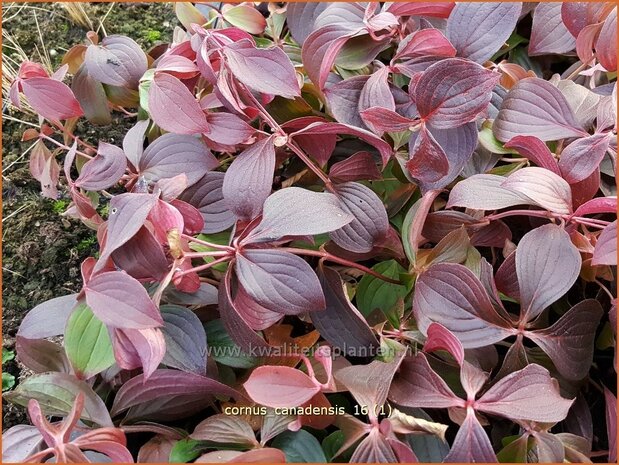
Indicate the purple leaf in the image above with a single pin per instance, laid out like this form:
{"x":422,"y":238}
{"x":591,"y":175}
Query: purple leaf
{"x":227,"y":129}
{"x":370,"y":223}
{"x":104,"y":170}
{"x":142,"y":257}
{"x":374,"y":449}
{"x":19,"y":442}
{"x":383,"y":120}
{"x":265,"y":70}
{"x":453,"y":92}
{"x":173,"y":154}
{"x":471,"y":443}
{"x":478,"y":30}
{"x":343,"y":100}
{"x":135,"y":348}
{"x":534,"y":107}
{"x":341,"y":323}
{"x":543,"y":187}
{"x":41,"y":355}
{"x":117,"y":61}
{"x":569,"y":342}
{"x":300,"y":17}
{"x":256,"y":316}
{"x":605,"y":252}
{"x":249,"y":179}
{"x":48,"y":319}
{"x":207,"y":196}
{"x":547,"y":265}
{"x":280,"y":386}
{"x":90,"y":93}
{"x":427,"y":160}
{"x":169,"y":385}
{"x":185,"y":340}
{"x":51,"y":99}
{"x":535,"y":150}
{"x":582,"y":157}
{"x":450,"y":294}
{"x":360,"y":166}
{"x":133,"y":142}
{"x":376,"y":91}
{"x":280,"y":281}
{"x":549,"y":34}
{"x":120,"y":301}
{"x":294,"y":211}
{"x":485,"y":192}
{"x":425,"y":42}
{"x":174,"y":108}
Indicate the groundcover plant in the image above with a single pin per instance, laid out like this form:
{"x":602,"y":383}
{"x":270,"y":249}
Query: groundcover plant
{"x":335,"y":232}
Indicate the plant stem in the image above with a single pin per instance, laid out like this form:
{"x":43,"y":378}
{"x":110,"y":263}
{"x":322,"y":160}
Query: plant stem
{"x":538,"y":213}
{"x":206,"y":254}
{"x":341,"y":261}
{"x":208,"y":244}
{"x":202,"y":267}
{"x":63,"y":146}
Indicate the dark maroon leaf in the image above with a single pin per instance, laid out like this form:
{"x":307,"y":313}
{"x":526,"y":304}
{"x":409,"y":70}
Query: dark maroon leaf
{"x":582,"y":157}
{"x":549,"y":34}
{"x":256,"y":316}
{"x":341,"y":323}
{"x":534,"y":107}
{"x":427,"y":160}
{"x":569,"y":342}
{"x":249,"y":179}
{"x":41,"y":355}
{"x":117,"y":61}
{"x":535,"y":150}
{"x":478,"y":30}
{"x":360,"y":166}
{"x":142,"y":257}
{"x":279,"y":281}
{"x":383,"y":120}
{"x":547,"y":265}
{"x":173,"y":154}
{"x":104,"y":170}
{"x":453,"y":92}
{"x":120,"y":301}
{"x":266,"y":70}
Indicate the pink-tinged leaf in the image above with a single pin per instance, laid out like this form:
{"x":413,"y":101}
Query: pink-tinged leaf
{"x":120,"y":301}
{"x":142,"y":257}
{"x":225,"y":429}
{"x":583,"y":156}
{"x":249,"y":179}
{"x":157,"y":449}
{"x":431,"y":9}
{"x":135,"y":348}
{"x":178,"y":388}
{"x":321,"y":48}
{"x":606,"y":45}
{"x":173,"y":154}
{"x":569,"y":342}
{"x":478,"y":30}
{"x":319,"y":147}
{"x":319,"y":129}
{"x":256,"y":316}
{"x":440,"y":338}
{"x":577,"y":15}
{"x":453,"y":92}
{"x":611,"y":424}
{"x":264,"y":455}
{"x":51,"y":99}
{"x":418,"y":385}
{"x":471,"y":443}
{"x":370,"y":223}
{"x":383,"y":120}
{"x":192,"y":218}
{"x":450,"y":294}
{"x":185,"y":339}
{"x":547,"y":265}
{"x":427,"y":160}
{"x":104,"y":170}
{"x":279,"y":281}
{"x":245,"y":17}
{"x":294,"y":211}
{"x":343,"y":100}
{"x":128,"y":212}
{"x":41,"y":355}
{"x":174,"y":108}
{"x":374,"y":449}
{"x":178,"y":65}
{"x":506,"y":278}
{"x":341,"y":323}
{"x":265,"y":70}
{"x":117,"y":61}
{"x":535,"y":150}
{"x":527,"y":394}
{"x":280,"y":386}
{"x":534,"y":107}
{"x":90,"y":93}
{"x":171,"y":188}
{"x":597,"y":205}
{"x":549,"y":34}
{"x":300,"y":18}
{"x":425,"y":42}
{"x":586,"y":189}
{"x":165,"y":218}
{"x":20,"y":442}
{"x":234,"y":320}
{"x":485,"y":192}
{"x":228,"y":129}
{"x":133,"y":142}
{"x":207,"y":196}
{"x":360,"y":166}
{"x":605,"y":252}
{"x":543,"y":187}
{"x":369,"y":384}
{"x":48,"y":319}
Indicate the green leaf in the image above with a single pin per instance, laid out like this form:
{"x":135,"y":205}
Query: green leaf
{"x":222,"y":238}
{"x":332,"y":443}
{"x":491,"y":143}
{"x":87,"y":343}
{"x":186,"y":450}
{"x":373,"y":293}
{"x":7,"y":355}
{"x":8,"y":381}
{"x":223,"y":349}
{"x":299,"y":447}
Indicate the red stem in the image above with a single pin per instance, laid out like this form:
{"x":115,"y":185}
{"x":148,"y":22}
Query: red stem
{"x":202,"y":267}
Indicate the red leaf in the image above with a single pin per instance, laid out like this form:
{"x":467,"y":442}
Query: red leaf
{"x":360,"y":166}
{"x":535,"y":150}
{"x":427,"y":160}
{"x":134,"y":348}
{"x":425,"y":42}
{"x":605,"y":252}
{"x":432,"y":9}
{"x":606,"y":45}
{"x":583,"y":156}
{"x":51,"y":99}
{"x":280,"y":386}
{"x":104,"y":170}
